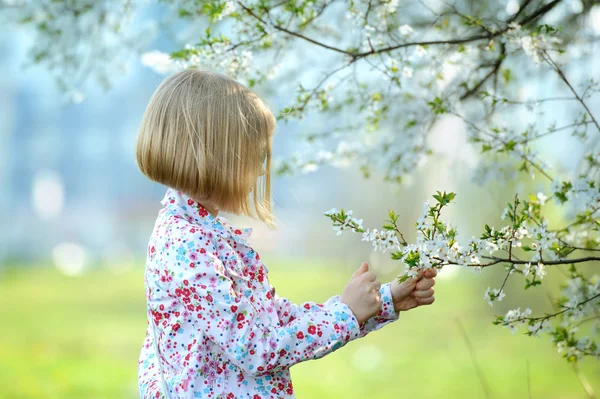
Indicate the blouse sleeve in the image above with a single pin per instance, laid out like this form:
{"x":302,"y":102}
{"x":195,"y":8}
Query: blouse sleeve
{"x":231,"y":322}
{"x":289,"y":311}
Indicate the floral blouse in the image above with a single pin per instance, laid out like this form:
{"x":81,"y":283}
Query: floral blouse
{"x":221,"y":329}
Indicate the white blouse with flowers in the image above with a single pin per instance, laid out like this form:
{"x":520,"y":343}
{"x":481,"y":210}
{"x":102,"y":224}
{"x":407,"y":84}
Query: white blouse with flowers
{"x":221,"y":330}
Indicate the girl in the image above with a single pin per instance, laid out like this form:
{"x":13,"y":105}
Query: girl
{"x":216,"y":328}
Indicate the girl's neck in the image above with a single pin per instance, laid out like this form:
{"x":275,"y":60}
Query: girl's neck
{"x":212,"y":211}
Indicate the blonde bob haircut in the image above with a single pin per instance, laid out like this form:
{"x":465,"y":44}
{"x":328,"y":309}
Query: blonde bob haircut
{"x":209,"y":137}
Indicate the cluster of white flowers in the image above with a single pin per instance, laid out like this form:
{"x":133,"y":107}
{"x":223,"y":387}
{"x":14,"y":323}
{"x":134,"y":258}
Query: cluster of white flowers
{"x":514,"y":318}
{"x":539,"y":326}
{"x":586,"y":189}
{"x":217,"y":56}
{"x":492,"y":295}
{"x":384,"y":240}
{"x":349,"y":222}
{"x":574,"y":348}
{"x":539,"y":270}
{"x":532,"y":44}
{"x":227,"y":10}
{"x":405,"y":30}
{"x":159,"y":62}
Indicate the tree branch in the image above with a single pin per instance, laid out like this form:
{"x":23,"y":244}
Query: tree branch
{"x":564,"y":79}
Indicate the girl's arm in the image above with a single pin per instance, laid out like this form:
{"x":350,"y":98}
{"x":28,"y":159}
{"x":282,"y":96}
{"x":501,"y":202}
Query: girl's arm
{"x":229,"y":320}
{"x":288,"y":311}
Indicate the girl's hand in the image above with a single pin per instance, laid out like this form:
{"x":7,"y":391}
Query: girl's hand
{"x":414,"y":291}
{"x":362,"y":295}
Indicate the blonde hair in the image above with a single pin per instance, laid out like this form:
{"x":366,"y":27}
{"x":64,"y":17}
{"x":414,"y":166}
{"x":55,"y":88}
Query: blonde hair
{"x":207,"y":136}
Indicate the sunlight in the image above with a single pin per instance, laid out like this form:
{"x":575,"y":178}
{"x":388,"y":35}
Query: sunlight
{"x":69,"y":258}
{"x":367,"y":357}
{"x":47,"y":194}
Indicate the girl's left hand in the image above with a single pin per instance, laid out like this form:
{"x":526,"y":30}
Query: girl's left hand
{"x":414,"y":292}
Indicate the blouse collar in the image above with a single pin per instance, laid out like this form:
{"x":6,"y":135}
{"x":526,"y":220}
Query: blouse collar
{"x":178,"y":203}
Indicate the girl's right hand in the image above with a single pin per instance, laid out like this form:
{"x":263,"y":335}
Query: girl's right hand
{"x":362,"y":295}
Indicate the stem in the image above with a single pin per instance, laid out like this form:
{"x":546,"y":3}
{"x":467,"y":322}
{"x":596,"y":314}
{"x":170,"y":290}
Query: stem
{"x":564,"y":79}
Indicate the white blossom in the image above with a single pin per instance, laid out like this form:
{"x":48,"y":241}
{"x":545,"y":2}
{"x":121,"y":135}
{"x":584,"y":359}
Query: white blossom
{"x":420,"y":51}
{"x":405,"y":30}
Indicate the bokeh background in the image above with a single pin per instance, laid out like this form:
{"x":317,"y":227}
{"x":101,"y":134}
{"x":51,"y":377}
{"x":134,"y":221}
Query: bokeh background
{"x":76,"y":214}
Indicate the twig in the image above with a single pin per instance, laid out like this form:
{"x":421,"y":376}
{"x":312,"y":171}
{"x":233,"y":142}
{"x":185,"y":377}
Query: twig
{"x":564,"y":79}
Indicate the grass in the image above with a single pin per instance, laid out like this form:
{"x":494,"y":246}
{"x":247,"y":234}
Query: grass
{"x":79,"y":338}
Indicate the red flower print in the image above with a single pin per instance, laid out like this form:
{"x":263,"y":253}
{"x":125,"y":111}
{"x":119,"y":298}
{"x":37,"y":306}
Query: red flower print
{"x":209,"y":298}
{"x":202,"y":212}
{"x":273,"y":390}
{"x":202,"y":251}
{"x":289,"y":391}
{"x":252,"y":351}
{"x":187,"y":292}
{"x":191,"y":307}
{"x":192,"y":265}
{"x":312,"y":329}
{"x":238,"y":231}
{"x":161,"y":307}
{"x":234,"y":308}
{"x":256,"y":397}
{"x":192,"y":230}
{"x":280,"y":386}
{"x":176,"y":327}
{"x":300,"y":335}
{"x":185,"y":282}
{"x":240,"y":317}
{"x":240,"y":326}
{"x":178,"y":291}
{"x":230,"y":395}
{"x":307,"y":306}
{"x":320,"y":333}
{"x":282,"y":352}
{"x":152,"y":249}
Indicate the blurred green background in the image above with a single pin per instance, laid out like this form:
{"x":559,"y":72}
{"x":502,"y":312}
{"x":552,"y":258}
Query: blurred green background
{"x":79,"y":337}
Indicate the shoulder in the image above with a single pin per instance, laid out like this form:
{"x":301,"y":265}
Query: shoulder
{"x":184,"y":233}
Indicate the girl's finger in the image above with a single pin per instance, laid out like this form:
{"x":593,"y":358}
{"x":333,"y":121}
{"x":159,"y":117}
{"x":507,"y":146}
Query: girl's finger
{"x":425,"y":284}
{"x":425,"y":301}
{"x":422,"y":294}
{"x":430,"y":273}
